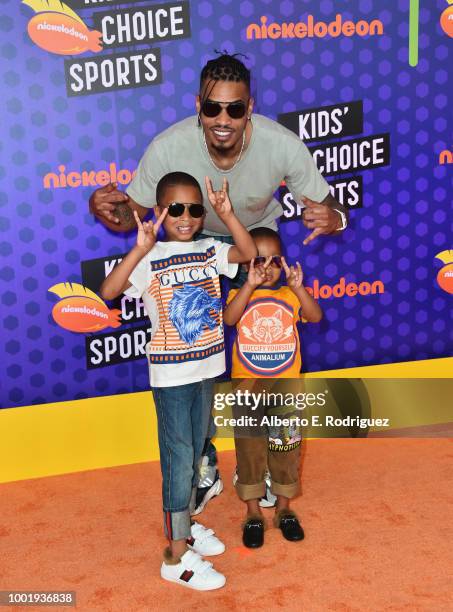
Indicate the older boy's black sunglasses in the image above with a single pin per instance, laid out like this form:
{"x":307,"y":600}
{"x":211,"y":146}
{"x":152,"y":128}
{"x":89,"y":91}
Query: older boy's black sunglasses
{"x":275,"y":261}
{"x":236,"y":110}
{"x":176,"y":209}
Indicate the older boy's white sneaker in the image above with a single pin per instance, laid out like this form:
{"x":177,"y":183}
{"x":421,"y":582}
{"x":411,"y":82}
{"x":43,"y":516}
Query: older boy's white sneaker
{"x":193,"y":572}
{"x":204,"y":541}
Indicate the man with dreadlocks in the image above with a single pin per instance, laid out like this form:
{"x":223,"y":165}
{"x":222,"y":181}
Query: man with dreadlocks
{"x":226,"y":139}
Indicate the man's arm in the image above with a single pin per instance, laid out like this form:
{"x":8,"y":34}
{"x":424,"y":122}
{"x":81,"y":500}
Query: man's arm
{"x":325,"y":216}
{"x":330,"y":201}
{"x":115,"y":209}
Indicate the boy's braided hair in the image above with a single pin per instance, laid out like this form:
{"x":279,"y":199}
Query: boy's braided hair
{"x":226,"y":68}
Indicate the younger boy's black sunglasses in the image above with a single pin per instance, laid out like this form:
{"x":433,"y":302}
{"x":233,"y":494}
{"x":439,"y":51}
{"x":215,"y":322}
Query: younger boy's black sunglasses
{"x":275,"y":261}
{"x":236,"y":110}
{"x":176,"y":209}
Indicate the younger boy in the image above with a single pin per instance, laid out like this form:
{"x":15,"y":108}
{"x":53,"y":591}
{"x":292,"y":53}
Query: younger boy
{"x":267,"y":346}
{"x":178,"y":280}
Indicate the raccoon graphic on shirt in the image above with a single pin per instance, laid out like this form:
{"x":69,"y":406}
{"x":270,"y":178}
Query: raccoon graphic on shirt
{"x":267,"y":341}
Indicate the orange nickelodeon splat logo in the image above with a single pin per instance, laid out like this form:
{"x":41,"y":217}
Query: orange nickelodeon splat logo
{"x":445,"y":274}
{"x":446,"y":20}
{"x":81,"y":310}
{"x":58,"y":29}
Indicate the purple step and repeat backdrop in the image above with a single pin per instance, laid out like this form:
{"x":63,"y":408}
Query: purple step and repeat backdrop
{"x":86,"y":84}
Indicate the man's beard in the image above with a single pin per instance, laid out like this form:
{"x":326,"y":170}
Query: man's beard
{"x":223,"y":147}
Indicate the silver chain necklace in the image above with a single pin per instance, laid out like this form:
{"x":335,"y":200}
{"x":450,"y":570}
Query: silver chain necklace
{"x":235,"y":163}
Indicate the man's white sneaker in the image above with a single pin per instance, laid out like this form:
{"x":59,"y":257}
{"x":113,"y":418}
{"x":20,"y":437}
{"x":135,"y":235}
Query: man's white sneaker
{"x":194,"y":572}
{"x":204,"y":542}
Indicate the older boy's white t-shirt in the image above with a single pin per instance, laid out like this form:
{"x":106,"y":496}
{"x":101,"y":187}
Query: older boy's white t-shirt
{"x":180,"y":287}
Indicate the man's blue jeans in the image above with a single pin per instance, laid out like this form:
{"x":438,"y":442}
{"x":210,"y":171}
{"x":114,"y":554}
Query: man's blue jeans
{"x":182,"y":418}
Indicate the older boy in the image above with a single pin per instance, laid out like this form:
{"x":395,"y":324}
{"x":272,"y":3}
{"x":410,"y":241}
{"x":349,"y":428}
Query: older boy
{"x":178,"y":280}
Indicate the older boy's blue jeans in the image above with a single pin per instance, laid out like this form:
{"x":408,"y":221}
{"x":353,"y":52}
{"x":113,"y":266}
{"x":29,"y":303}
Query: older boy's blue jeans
{"x":182,"y":419}
{"x":236,"y":283}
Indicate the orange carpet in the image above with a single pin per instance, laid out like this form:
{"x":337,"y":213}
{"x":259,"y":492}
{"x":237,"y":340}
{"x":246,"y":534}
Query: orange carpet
{"x":377,"y":515}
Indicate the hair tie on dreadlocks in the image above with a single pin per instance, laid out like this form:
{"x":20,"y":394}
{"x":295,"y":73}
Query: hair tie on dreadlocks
{"x":225,"y":52}
{"x":226,"y":67}
{"x":242,"y":54}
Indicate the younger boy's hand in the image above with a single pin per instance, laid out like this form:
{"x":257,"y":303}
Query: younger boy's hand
{"x":294,"y":274}
{"x":147,"y":232}
{"x":257,"y":276}
{"x":220,"y":200}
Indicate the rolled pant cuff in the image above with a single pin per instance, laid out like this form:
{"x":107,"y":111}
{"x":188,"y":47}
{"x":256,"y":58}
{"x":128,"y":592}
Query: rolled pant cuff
{"x":177,"y":524}
{"x":193,"y":500}
{"x":250,"y":491}
{"x":286,"y":490}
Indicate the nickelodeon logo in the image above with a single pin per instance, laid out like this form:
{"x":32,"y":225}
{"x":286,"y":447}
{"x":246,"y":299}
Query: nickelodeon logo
{"x":342,"y":288}
{"x":314,"y":29}
{"x":87,"y":178}
{"x":446,"y":23}
{"x":81,"y":310}
{"x":58,"y":29}
{"x":445,"y":157}
{"x":445,"y":274}
{"x":446,"y":20}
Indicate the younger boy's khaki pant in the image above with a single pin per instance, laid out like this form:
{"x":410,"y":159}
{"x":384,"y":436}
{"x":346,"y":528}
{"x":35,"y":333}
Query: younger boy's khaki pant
{"x":254,"y":455}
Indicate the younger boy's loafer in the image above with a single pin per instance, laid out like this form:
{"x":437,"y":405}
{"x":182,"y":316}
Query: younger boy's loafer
{"x":290,"y":527}
{"x":253,"y":532}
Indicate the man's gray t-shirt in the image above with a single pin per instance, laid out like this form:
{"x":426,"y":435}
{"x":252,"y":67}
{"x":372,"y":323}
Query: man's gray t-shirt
{"x":274,"y":154}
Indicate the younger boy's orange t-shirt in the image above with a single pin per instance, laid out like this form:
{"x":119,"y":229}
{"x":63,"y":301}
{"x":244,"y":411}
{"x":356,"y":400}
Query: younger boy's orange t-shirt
{"x":267,"y":342}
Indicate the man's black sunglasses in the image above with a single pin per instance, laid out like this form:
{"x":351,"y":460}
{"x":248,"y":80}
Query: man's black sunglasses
{"x":176,"y":209}
{"x":236,"y":110}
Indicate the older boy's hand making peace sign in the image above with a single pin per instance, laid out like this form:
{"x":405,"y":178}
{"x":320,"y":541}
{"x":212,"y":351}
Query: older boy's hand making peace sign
{"x":147,"y":231}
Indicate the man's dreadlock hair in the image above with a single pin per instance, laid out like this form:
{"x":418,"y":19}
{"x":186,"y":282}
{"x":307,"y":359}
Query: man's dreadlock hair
{"x":226,"y":68}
